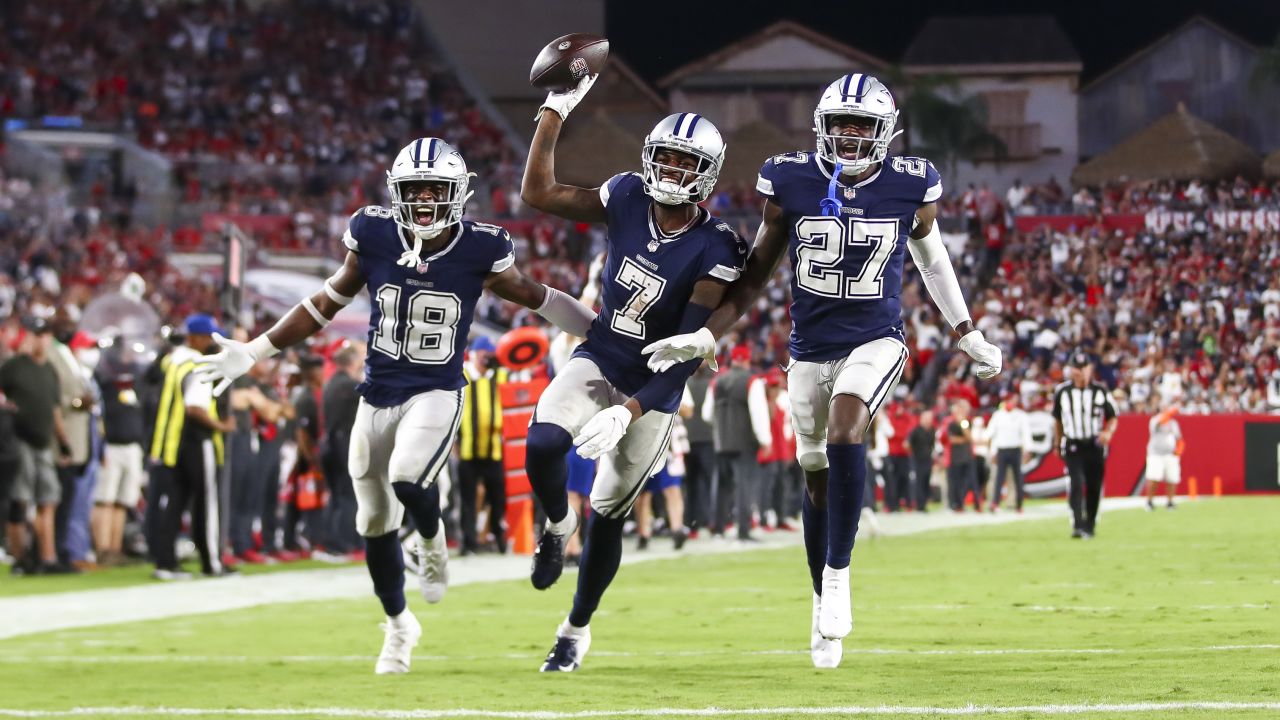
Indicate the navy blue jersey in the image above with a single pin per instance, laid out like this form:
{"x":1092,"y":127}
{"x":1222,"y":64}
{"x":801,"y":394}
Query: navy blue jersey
{"x":648,"y":279}
{"x":847,"y":266}
{"x":420,"y":316}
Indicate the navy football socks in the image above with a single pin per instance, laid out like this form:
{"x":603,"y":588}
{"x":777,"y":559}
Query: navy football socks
{"x":601,"y":555}
{"x":846,"y":484}
{"x":815,"y":539}
{"x":386,"y":567}
{"x":422,"y":504}
{"x":544,"y":462}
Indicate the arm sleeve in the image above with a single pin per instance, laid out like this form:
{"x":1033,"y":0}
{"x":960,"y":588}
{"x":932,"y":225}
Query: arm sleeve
{"x":709,"y":405}
{"x":566,"y":313}
{"x":506,"y":255}
{"x":349,"y":237}
{"x":1024,"y":422}
{"x":768,"y":173}
{"x":1109,"y":405}
{"x":758,"y":408}
{"x":1057,"y":405}
{"x":932,"y":182}
{"x":724,"y":260}
{"x":934,"y":264}
{"x":610,"y":186}
{"x":662,"y":385}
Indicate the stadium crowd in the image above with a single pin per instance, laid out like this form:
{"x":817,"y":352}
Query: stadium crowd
{"x":1186,"y":314}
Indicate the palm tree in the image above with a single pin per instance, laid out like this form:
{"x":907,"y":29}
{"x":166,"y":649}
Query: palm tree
{"x":1267,"y":71}
{"x":952,"y":128}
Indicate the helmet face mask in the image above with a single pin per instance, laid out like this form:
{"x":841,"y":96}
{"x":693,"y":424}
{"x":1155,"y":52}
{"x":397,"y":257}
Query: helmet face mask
{"x":854,"y":123}
{"x":438,"y":165}
{"x":681,"y":159}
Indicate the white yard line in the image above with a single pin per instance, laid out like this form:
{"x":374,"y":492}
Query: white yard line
{"x":25,"y":659}
{"x":828,"y":711}
{"x":30,"y":614}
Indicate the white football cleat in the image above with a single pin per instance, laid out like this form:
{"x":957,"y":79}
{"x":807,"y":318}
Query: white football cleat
{"x":826,"y":653}
{"x":571,"y":647}
{"x":433,"y":566}
{"x":402,"y":634}
{"x":835,"y":620}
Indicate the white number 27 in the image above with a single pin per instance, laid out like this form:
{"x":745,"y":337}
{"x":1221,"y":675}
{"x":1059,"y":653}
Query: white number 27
{"x":824,"y":241}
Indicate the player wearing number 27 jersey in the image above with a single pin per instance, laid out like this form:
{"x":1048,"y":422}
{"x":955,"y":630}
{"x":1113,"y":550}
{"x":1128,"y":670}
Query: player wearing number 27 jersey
{"x":424,"y":268}
{"x":846,"y":215}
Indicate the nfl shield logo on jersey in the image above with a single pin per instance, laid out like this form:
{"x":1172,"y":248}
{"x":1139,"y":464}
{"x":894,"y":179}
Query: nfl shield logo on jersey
{"x":422,"y":267}
{"x":850,"y":193}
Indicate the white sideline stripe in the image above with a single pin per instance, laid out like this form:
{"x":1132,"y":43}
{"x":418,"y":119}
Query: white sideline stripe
{"x":967,"y":710}
{"x":109,"y":659}
{"x":28,"y":614}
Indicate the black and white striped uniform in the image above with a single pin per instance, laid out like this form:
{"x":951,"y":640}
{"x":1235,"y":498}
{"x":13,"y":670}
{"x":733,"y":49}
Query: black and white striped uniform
{"x":1083,"y":413}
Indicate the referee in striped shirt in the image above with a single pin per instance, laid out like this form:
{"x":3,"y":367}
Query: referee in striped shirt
{"x":1086,"y":419}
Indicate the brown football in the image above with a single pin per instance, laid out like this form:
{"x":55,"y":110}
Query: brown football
{"x":566,"y":60}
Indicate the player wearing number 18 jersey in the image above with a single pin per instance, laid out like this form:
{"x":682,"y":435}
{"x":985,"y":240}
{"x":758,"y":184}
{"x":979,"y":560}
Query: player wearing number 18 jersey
{"x":425,"y":268}
{"x":846,"y":215}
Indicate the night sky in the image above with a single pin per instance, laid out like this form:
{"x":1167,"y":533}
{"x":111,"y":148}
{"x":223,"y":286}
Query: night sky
{"x":659,"y":37}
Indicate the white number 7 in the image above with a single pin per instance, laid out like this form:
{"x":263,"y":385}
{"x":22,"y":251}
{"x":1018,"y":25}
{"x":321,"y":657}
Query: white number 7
{"x":647,"y":288}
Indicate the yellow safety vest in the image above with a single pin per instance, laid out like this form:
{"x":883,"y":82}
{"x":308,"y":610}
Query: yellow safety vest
{"x":480,"y":435}
{"x":172,"y":415}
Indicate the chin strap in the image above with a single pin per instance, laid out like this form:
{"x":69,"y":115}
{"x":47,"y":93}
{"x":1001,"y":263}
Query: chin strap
{"x":830,"y":204}
{"x":410,"y":257}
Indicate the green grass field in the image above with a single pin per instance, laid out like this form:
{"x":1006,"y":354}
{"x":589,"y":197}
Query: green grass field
{"x":1167,"y":608}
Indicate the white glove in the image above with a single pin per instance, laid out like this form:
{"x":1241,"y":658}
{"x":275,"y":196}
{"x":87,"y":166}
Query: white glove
{"x":676,"y":349}
{"x":234,"y":360}
{"x":984,"y":353}
{"x":564,"y":103}
{"x":603,"y":431}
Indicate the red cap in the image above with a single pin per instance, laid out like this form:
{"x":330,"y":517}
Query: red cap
{"x":741,"y":353}
{"x":81,"y":340}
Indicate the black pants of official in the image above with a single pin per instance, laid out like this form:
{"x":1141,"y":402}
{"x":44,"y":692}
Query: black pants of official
{"x":962,"y":479}
{"x":1008,"y":459}
{"x":737,"y":477}
{"x":922,"y":470}
{"x":897,"y":482}
{"x":700,"y":470}
{"x":246,"y":490}
{"x":193,"y":482}
{"x":1086,"y":464}
{"x":472,"y":474}
{"x":340,"y":513}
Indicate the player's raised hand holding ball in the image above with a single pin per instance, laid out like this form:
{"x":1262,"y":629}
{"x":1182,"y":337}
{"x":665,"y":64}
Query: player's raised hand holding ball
{"x":567,"y":68}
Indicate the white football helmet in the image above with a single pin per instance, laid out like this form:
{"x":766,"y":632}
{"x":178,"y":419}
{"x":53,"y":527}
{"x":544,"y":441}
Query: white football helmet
{"x":686,"y":133}
{"x":432,"y":160}
{"x":863,"y":96}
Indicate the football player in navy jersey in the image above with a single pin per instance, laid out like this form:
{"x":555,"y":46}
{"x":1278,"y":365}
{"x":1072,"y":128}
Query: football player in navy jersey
{"x":668,"y":264}
{"x":846,"y":215}
{"x":425,"y":268}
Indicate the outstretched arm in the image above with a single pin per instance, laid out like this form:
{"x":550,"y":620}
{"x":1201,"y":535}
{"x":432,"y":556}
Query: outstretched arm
{"x":539,"y":188}
{"x":934,"y":264}
{"x":301,"y":322}
{"x":558,"y":308}
{"x":771,"y":245}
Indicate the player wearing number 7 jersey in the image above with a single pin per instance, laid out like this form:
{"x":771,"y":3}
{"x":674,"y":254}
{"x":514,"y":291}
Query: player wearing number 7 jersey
{"x":425,"y":268}
{"x":668,"y":264}
{"x":845,"y":214}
